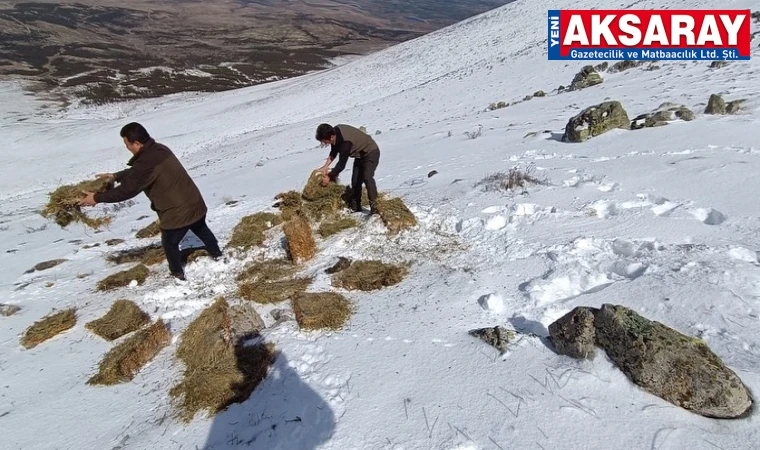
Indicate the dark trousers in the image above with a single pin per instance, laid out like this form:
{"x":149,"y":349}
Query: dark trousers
{"x":364,"y":173}
{"x":171,"y":239}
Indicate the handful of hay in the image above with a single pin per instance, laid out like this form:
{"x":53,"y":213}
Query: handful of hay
{"x":48,"y":327}
{"x":64,"y":207}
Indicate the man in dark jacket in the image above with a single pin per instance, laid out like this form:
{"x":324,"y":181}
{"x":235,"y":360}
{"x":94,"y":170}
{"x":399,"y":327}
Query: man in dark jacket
{"x":155,"y":170}
{"x":349,"y":142}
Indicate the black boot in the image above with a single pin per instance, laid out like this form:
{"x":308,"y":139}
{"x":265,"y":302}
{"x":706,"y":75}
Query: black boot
{"x":372,"y":208}
{"x":356,"y":206}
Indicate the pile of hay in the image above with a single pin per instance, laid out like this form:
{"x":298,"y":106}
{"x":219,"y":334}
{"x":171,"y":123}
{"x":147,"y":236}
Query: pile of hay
{"x":325,"y":310}
{"x":289,"y":204}
{"x":268,"y":270}
{"x":49,"y":327}
{"x":219,"y":369}
{"x":120,"y":279}
{"x":149,"y":255}
{"x":300,"y":240}
{"x":395,"y":215}
{"x":154,"y":229}
{"x":64,"y":208}
{"x":266,"y":292}
{"x":369,"y":276}
{"x":249,"y":232}
{"x":123,"y":318}
{"x":122,"y":363}
{"x":329,"y":228}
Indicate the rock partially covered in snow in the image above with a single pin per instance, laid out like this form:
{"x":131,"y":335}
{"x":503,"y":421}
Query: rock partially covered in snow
{"x":574,"y":334}
{"x":497,"y":337}
{"x":596,"y":120}
{"x":716,"y":105}
{"x":587,"y":77}
{"x":492,"y":302}
{"x":245,"y":322}
{"x":673,"y":366}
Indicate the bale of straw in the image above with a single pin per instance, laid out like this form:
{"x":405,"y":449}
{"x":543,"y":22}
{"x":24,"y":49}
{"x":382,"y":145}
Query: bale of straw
{"x":120,"y":279}
{"x":219,"y":369}
{"x":267,"y":270}
{"x":149,"y":255}
{"x":266,"y":292}
{"x":154,"y":229}
{"x":300,"y":240}
{"x":122,"y":362}
{"x":395,"y":215}
{"x":123,"y":318}
{"x":329,"y":228}
{"x":49,"y":327}
{"x":249,"y":232}
{"x":324,"y":310}
{"x":369,"y":276}
{"x":63,"y":205}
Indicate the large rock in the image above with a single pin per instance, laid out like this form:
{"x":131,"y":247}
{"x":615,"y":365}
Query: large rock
{"x":662,"y":116}
{"x":716,"y":105}
{"x":596,"y":120}
{"x":673,"y":366}
{"x":245,"y":322}
{"x":587,"y":77}
{"x":574,"y":334}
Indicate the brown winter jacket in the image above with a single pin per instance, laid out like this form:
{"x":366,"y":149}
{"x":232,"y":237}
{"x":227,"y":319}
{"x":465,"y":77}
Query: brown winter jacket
{"x":156,"y":171}
{"x":350,"y":142}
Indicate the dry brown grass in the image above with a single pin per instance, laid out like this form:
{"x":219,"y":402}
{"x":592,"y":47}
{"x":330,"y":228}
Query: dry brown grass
{"x":395,"y":215}
{"x":300,"y":240}
{"x":329,"y":228}
{"x":268,"y":270}
{"x":266,"y":292}
{"x":512,"y":180}
{"x":369,"y":276}
{"x":324,"y":310}
{"x":123,"y":278}
{"x":63,"y":206}
{"x":8,"y":310}
{"x":249,"y":232}
{"x":112,"y":242}
{"x":49,"y":327}
{"x":219,"y":369}
{"x":122,"y":363}
{"x":154,"y":229}
{"x":149,"y":255}
{"x":289,"y":203}
{"x":123,"y":318}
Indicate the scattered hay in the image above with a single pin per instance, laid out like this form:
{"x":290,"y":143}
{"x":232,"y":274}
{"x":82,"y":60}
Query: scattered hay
{"x":266,"y":292}
{"x":49,"y":327}
{"x":123,"y":318}
{"x":64,"y":208}
{"x":300,"y":241}
{"x":46,"y":265}
{"x":269,"y":270}
{"x":112,"y":242}
{"x":190,"y":255}
{"x":341,"y":265}
{"x":325,"y":310}
{"x":120,"y":279}
{"x":154,"y":229}
{"x":330,"y":228}
{"x":289,"y":204}
{"x":8,"y":310}
{"x":509,"y":181}
{"x":369,"y":276}
{"x":122,"y":363}
{"x":395,"y":215}
{"x":219,"y":369}
{"x":149,"y":255}
{"x":249,"y":232}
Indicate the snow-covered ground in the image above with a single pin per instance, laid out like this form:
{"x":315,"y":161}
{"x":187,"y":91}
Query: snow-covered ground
{"x":664,"y":220}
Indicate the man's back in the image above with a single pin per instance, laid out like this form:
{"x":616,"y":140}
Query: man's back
{"x":362,"y":143}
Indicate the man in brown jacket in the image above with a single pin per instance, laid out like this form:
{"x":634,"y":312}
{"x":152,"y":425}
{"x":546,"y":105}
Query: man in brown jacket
{"x":349,"y":142}
{"x":155,"y":170}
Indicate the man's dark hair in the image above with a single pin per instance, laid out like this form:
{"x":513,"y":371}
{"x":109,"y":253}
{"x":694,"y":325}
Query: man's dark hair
{"x":325,"y":132}
{"x":134,"y":132}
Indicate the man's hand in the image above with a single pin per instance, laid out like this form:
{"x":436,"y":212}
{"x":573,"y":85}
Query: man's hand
{"x":89,"y":199}
{"x":105,"y":175}
{"x":325,"y":180}
{"x":323,"y":170}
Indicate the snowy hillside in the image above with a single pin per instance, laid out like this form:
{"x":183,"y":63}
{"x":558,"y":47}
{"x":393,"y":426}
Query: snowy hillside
{"x":663,"y":220}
